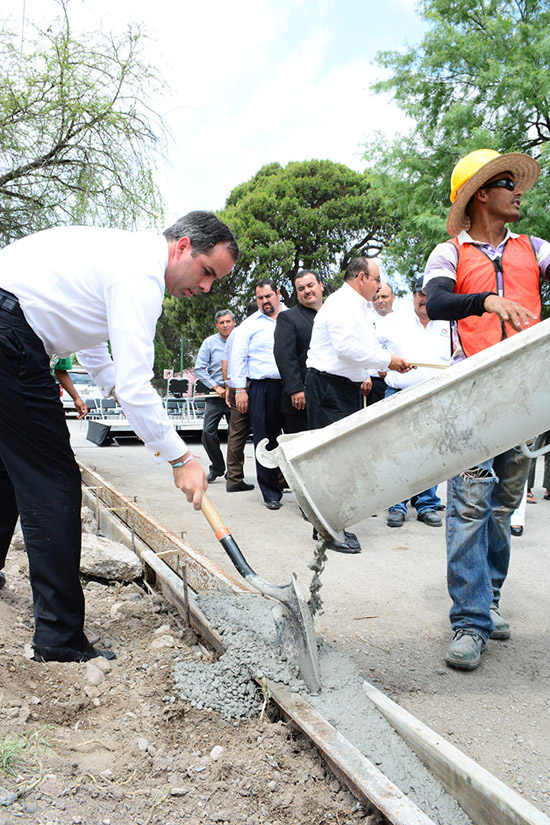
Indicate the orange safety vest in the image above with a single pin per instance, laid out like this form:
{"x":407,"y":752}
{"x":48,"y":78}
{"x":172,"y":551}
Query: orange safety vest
{"x":514,"y":274}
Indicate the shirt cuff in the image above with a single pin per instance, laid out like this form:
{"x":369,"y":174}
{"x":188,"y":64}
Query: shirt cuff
{"x":169,"y":449}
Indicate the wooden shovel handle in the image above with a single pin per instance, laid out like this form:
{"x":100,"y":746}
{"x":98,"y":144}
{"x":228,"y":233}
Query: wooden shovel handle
{"x":213,"y":517}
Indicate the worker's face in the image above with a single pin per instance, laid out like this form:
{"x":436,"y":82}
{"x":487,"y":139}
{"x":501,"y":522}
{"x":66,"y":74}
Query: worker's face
{"x":187,"y":274}
{"x":224,"y":325}
{"x":268,"y":300}
{"x":419,"y":301}
{"x":309,"y":291}
{"x":383,"y":300}
{"x":502,"y":203}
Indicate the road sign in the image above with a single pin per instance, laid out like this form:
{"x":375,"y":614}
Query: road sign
{"x":168,"y":374}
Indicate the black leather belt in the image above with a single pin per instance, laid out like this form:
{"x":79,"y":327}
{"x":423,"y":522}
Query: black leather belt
{"x":10,"y":303}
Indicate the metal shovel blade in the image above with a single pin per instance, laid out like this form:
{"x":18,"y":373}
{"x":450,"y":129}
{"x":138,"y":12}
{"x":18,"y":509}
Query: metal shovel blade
{"x":291,"y":614}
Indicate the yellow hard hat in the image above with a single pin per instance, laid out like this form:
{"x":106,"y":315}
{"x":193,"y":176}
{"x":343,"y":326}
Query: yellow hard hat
{"x":474,"y":170}
{"x":468,"y":166}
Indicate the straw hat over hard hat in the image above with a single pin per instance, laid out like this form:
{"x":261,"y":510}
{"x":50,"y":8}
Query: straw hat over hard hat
{"x":472,"y":171}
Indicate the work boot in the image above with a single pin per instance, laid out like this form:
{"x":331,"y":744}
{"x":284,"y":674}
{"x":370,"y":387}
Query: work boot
{"x":395,"y":518}
{"x":430,"y":517}
{"x":69,"y":654}
{"x":465,"y":650}
{"x":501,"y":628}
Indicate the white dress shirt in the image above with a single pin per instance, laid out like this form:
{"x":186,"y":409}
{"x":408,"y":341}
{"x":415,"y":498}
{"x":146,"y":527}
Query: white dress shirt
{"x":403,"y":334}
{"x":343,"y":341}
{"x":80,"y":287}
{"x":251,"y":352}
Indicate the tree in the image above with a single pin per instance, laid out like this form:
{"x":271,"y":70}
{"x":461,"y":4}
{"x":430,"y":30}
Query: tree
{"x":478,"y":79}
{"x":310,"y":214}
{"x":313,"y":214}
{"x":77,"y":136}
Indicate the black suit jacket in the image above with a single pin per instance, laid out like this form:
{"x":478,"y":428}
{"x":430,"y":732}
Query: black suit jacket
{"x":291,"y":343}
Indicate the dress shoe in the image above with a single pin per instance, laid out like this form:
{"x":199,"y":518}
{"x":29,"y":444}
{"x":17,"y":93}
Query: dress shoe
{"x":239,"y":487}
{"x":515,"y":531}
{"x":395,"y":518}
{"x":2,"y":580}
{"x":343,"y":547}
{"x":69,"y":654}
{"x":212,"y":476}
{"x":273,"y":505}
{"x":430,"y":517}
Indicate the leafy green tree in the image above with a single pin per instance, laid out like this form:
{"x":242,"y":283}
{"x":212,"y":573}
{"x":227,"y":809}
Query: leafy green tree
{"x":77,"y":135}
{"x":478,"y":79}
{"x":311,"y":214}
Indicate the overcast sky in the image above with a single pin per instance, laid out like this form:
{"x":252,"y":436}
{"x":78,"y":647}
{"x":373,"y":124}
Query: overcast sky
{"x":255,"y":81}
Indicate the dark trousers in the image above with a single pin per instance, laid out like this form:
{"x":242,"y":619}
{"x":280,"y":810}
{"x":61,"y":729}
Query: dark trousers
{"x":239,"y":430}
{"x":295,"y":422}
{"x":40,"y":481}
{"x":264,"y":406}
{"x":216,"y":409}
{"x":330,"y":398}
{"x":378,"y":390}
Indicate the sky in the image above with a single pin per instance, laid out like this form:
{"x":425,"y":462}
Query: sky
{"x":254,"y":81}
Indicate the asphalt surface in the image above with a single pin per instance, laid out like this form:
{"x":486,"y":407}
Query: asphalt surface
{"x":388,"y":607}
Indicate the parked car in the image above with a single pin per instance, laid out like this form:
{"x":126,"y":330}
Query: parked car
{"x":84,"y":386}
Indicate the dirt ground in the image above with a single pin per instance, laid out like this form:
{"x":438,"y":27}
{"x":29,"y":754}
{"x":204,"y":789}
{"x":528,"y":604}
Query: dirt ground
{"x":80,"y":744}
{"x":127,"y":751}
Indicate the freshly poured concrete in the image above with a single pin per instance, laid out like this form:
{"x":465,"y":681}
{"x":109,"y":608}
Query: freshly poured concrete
{"x":227,"y":686}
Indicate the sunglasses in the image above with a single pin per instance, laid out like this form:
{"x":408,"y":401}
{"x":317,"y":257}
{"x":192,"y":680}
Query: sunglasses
{"x":501,"y":183}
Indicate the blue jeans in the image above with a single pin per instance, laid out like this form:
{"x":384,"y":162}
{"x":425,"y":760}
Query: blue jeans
{"x":428,"y":500}
{"x":479,"y":504}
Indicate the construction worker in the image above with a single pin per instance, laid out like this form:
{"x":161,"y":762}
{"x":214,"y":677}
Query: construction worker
{"x":485,"y":280}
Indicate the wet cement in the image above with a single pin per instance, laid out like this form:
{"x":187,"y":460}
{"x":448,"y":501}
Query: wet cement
{"x":246,"y":626}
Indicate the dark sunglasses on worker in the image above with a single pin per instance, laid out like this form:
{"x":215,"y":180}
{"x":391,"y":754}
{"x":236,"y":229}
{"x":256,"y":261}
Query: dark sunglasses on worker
{"x":504,"y":183}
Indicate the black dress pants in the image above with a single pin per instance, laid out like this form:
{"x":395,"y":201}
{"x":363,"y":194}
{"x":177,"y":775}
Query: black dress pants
{"x":40,"y":481}
{"x":216,"y":409}
{"x":330,"y":398}
{"x":266,"y":419}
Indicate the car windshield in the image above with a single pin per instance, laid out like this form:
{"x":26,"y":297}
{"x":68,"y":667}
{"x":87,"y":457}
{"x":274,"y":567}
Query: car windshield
{"x":80,"y":377}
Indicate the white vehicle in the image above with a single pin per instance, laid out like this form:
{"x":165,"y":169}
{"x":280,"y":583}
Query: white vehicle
{"x":84,"y":386}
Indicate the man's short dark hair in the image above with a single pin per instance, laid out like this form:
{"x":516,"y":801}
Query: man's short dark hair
{"x":204,"y":230}
{"x":303,"y":272}
{"x":251,"y":308}
{"x":221,"y":312}
{"x":355,"y":266}
{"x":267,"y":282}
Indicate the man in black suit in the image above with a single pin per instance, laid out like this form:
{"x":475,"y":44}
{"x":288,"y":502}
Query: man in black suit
{"x":291,"y":343}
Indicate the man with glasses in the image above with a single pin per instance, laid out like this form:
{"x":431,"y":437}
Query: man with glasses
{"x":486,"y":280}
{"x":344,"y":347}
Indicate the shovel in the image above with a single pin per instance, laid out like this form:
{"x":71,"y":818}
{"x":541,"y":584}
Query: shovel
{"x":292,"y":616}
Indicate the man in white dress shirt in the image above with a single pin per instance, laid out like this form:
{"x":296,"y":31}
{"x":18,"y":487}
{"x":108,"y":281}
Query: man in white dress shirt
{"x":71,"y":289}
{"x":344,"y":348}
{"x":258,"y":384}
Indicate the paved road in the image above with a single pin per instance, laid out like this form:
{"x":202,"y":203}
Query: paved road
{"x":387,"y":608}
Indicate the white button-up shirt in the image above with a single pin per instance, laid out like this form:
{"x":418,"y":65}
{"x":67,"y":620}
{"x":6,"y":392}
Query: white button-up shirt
{"x":403,"y":334}
{"x":251,"y":352}
{"x":80,"y":287}
{"x":343,"y":341}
